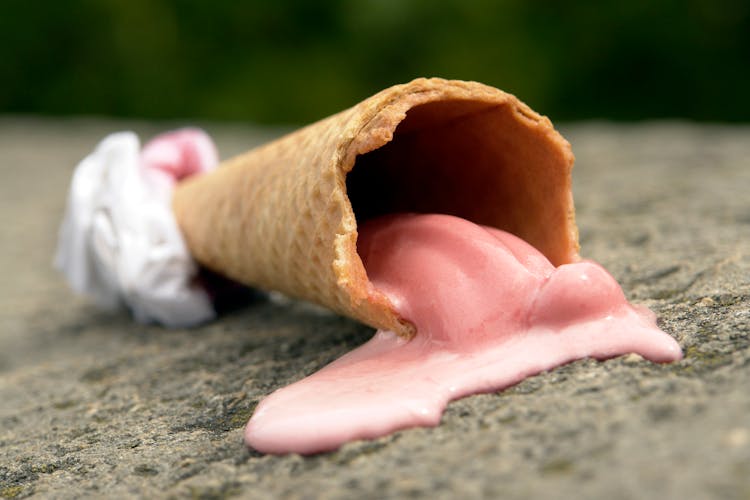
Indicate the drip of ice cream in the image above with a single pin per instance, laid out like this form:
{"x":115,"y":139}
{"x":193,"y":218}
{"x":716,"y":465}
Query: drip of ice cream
{"x":490,"y":310}
{"x":180,"y":154}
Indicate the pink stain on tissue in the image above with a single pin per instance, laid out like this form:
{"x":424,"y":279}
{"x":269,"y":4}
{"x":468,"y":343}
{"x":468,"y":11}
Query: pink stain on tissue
{"x":490,"y":310}
{"x":180,"y":153}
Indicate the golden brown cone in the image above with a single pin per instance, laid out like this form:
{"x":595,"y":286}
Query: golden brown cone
{"x":282,"y":216}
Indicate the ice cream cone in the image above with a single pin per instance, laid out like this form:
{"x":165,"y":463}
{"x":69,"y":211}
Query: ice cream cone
{"x":284,"y":216}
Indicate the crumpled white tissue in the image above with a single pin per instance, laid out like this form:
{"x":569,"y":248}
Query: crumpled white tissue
{"x":119,"y":242}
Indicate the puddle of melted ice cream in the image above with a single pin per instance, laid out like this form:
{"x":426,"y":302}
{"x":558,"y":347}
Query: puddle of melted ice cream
{"x":490,"y":310}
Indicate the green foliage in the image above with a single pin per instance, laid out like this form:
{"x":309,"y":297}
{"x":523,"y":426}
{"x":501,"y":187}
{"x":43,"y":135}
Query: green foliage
{"x":296,"y":61}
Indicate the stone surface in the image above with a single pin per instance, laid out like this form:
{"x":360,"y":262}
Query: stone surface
{"x":92,"y":404}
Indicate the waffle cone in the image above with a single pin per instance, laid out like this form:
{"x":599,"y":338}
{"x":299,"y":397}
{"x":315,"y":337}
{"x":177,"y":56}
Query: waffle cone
{"x":284,"y":216}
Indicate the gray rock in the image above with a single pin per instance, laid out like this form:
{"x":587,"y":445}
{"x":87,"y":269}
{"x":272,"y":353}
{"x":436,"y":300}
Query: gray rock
{"x":92,"y":404}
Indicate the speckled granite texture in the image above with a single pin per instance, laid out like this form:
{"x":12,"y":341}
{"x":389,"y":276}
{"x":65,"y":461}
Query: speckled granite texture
{"x":94,"y":405}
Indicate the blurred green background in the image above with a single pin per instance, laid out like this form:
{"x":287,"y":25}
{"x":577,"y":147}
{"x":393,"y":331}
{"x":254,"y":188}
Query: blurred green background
{"x":295,"y":61}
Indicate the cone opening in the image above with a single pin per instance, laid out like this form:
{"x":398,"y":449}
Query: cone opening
{"x":494,"y":164}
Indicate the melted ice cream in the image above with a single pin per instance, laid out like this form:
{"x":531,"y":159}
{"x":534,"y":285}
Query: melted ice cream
{"x":490,"y":310}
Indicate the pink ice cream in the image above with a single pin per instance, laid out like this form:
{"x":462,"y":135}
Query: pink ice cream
{"x":490,"y":310}
{"x":180,"y":153}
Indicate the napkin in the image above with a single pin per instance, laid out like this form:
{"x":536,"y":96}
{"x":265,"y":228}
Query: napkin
{"x":119,"y":243}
